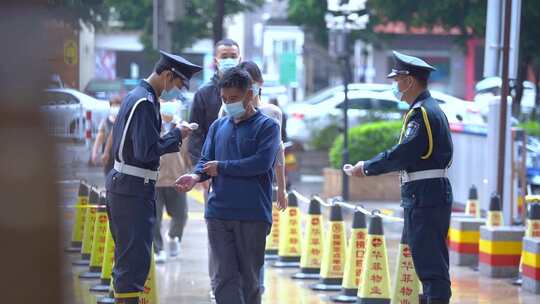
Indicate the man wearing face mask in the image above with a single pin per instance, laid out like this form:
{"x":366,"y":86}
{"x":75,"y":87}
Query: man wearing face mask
{"x":137,"y":147}
{"x":422,"y":156}
{"x":238,"y":155}
{"x":207,"y":100}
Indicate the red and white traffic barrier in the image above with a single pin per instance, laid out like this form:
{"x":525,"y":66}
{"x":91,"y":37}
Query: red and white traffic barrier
{"x":88,"y":131}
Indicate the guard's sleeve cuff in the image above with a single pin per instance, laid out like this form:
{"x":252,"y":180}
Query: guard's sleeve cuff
{"x":366,"y":168}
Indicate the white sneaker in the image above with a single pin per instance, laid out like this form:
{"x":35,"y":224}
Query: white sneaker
{"x":174,"y":247}
{"x":161,"y":257}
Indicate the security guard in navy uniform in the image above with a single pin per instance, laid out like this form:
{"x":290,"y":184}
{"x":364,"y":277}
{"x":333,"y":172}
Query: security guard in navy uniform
{"x":137,"y":147}
{"x":423,"y":155}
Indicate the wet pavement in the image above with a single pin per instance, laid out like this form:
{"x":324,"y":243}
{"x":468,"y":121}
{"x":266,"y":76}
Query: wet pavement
{"x":185,"y":279}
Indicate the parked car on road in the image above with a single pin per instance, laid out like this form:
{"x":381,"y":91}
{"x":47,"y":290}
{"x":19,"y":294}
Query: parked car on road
{"x":105,"y":88}
{"x":367,"y":102}
{"x":65,"y":112}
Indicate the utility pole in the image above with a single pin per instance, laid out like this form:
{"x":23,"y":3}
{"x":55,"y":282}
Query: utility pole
{"x":341,"y":18}
{"x":504,"y":95}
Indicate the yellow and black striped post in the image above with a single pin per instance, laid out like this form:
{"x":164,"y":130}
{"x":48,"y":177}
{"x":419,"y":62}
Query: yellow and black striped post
{"x":473,"y":207}
{"x":494,"y":214}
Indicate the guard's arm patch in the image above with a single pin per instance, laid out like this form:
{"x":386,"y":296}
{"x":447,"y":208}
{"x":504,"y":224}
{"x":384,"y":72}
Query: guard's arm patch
{"x":412,"y":129}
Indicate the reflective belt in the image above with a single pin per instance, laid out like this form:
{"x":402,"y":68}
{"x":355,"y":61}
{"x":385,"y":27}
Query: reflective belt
{"x":136,"y":171}
{"x":124,"y":168}
{"x":419,"y":175}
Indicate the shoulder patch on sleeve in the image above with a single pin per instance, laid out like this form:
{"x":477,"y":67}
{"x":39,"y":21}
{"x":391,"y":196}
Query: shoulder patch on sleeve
{"x":412,"y":129}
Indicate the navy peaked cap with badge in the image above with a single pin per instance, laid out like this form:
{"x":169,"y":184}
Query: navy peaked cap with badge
{"x":410,"y":65}
{"x":180,"y":66}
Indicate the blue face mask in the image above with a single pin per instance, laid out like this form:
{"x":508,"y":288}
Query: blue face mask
{"x":171,"y":94}
{"x":227,"y":63}
{"x":235,"y":109}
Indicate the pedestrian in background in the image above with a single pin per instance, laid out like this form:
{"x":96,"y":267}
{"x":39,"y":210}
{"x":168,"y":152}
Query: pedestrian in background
{"x":207,"y":100}
{"x":238,"y":155}
{"x":101,"y":151}
{"x":171,"y":167}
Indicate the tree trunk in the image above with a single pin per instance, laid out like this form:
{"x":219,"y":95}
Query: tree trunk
{"x":217,"y":24}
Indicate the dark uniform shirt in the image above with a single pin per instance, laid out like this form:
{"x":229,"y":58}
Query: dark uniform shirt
{"x":422,"y":147}
{"x":204,"y":111}
{"x":143,"y":145}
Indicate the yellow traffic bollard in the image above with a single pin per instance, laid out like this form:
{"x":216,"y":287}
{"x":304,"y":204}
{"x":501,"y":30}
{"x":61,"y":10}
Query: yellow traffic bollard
{"x":98,"y":243}
{"x":494,"y":214}
{"x":406,"y":283}
{"x":272,"y":240}
{"x":289,"y":236}
{"x":354,"y":260}
{"x":79,"y":218}
{"x":375,"y":287}
{"x":310,"y":262}
{"x":333,"y":253}
{"x":88,"y":234}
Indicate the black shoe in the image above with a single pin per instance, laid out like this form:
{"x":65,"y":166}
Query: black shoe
{"x":437,"y":301}
{"x":127,"y":301}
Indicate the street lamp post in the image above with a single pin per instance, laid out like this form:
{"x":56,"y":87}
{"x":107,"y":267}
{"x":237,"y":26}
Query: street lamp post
{"x":342,"y":17}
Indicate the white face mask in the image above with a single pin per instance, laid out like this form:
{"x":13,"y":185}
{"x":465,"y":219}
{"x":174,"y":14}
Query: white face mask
{"x":113,"y":110}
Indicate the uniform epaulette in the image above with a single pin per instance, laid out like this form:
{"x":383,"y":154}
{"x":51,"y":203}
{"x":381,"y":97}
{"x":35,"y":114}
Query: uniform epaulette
{"x":150,"y":97}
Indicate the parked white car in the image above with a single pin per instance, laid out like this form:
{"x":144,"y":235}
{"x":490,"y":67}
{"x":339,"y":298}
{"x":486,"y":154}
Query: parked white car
{"x":65,"y":112}
{"x":366,"y":102}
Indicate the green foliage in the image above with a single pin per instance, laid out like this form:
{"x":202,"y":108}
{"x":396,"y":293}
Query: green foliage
{"x":531,"y":127}
{"x":366,"y":141}
{"x":467,"y":15}
{"x":310,"y":15}
{"x":324,"y":138}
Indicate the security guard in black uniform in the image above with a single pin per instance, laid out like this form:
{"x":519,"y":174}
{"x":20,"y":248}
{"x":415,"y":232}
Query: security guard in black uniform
{"x":423,"y":155}
{"x":137,"y":148}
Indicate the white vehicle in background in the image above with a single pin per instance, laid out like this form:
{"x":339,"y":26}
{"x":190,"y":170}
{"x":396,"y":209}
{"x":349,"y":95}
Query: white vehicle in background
{"x":456,"y":110}
{"x":490,"y":87}
{"x":367,"y":101}
{"x":65,"y":112}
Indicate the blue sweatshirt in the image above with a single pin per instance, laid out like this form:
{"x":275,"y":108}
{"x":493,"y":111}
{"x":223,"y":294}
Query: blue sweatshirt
{"x":246,"y":152}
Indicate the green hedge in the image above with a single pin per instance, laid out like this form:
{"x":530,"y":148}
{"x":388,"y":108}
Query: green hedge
{"x":366,"y":141}
{"x":323,"y":139}
{"x":531,"y":127}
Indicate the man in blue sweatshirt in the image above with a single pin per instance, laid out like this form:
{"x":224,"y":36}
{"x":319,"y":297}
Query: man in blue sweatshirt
{"x":238,"y":155}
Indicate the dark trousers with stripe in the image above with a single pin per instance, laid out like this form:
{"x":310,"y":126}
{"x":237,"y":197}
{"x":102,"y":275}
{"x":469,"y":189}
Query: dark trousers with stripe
{"x":427,"y":230}
{"x":131,"y":220}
